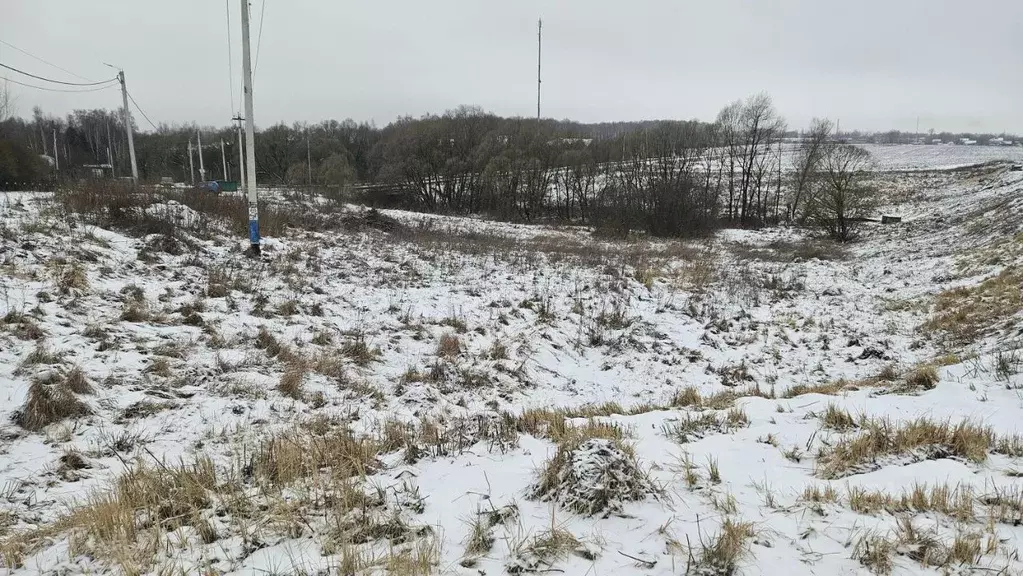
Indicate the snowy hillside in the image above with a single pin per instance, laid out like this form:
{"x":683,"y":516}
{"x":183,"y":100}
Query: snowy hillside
{"x":408,"y":394}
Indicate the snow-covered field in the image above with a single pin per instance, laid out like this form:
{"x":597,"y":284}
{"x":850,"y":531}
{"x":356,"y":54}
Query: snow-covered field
{"x":416,"y":394}
{"x":938,"y":157}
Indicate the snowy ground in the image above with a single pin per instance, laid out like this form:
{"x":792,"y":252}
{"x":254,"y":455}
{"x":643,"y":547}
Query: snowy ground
{"x":385,"y":401}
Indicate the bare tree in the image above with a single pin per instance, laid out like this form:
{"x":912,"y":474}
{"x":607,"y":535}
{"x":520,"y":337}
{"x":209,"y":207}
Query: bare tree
{"x":806,"y":163}
{"x":6,"y":104}
{"x":748,"y":131}
{"x":844,"y":197}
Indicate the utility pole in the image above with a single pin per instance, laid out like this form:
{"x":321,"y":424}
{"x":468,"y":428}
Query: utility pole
{"x":309,"y":156}
{"x":127,"y":126}
{"x":223,"y":158}
{"x":241,"y":152}
{"x":56,"y":157}
{"x":110,"y":156}
{"x":202,"y":167}
{"x":250,"y":134}
{"x":191,"y":165}
{"x":539,"y":52}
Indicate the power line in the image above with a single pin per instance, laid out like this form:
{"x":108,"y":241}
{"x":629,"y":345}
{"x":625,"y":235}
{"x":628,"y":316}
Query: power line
{"x":139,"y":108}
{"x":49,"y":80}
{"x":110,"y":84}
{"x":259,"y":37}
{"x":30,"y":55}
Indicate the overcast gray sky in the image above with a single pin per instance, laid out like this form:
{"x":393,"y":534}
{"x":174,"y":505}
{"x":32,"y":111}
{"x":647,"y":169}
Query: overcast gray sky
{"x":872,"y":64}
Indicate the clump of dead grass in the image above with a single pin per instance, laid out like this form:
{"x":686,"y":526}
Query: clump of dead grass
{"x":721,"y":553}
{"x":922,"y":378}
{"x":954,"y":501}
{"x":71,"y":278}
{"x":919,"y":439}
{"x":48,"y":403}
{"x":540,"y":552}
{"x":449,"y":345}
{"x":690,"y":397}
{"x":835,"y":418}
{"x":593,"y":472}
{"x":691,"y":427}
{"x":293,"y":379}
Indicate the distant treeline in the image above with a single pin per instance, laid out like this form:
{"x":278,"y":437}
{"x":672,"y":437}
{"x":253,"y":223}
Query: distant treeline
{"x":662,"y":177}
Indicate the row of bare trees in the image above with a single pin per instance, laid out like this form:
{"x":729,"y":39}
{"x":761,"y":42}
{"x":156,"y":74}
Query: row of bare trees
{"x":668,"y":178}
{"x":665,"y":178}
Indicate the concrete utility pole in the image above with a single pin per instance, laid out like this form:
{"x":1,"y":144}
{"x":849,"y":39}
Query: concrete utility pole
{"x":250,"y":134}
{"x":202,"y":167}
{"x":127,"y":126}
{"x":223,"y":158}
{"x":309,"y":156}
{"x":191,"y":165}
{"x":110,"y":156}
{"x":539,"y":52}
{"x":241,"y":153}
{"x":56,"y":157}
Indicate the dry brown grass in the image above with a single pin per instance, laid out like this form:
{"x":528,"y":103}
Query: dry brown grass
{"x":315,"y":474}
{"x":963,"y":315}
{"x":875,"y":553}
{"x":690,"y":397}
{"x":291,"y":382}
{"x":835,"y":418}
{"x":48,"y":403}
{"x":554,"y":423}
{"x":956,"y":553}
{"x":922,"y":378}
{"x":826,"y":494}
{"x":832,"y":388}
{"x":918,"y":440}
{"x":539,"y":553}
{"x":135,"y":311}
{"x":692,"y":427}
{"x":954,"y":501}
{"x":288,"y":457}
{"x":449,"y":345}
{"x":721,"y":553}
{"x":71,"y":278}
{"x":76,"y":381}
